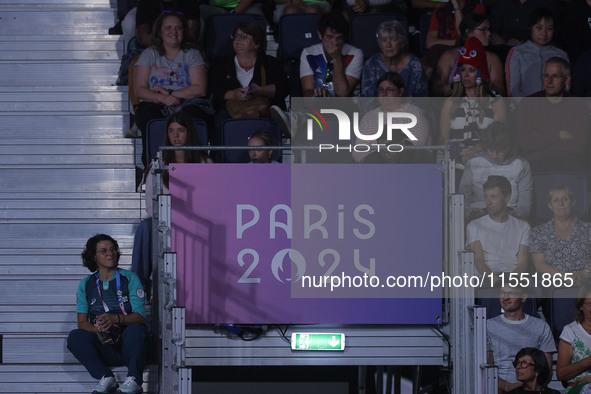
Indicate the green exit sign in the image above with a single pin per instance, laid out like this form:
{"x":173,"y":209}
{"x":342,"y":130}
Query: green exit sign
{"x":317,"y":341}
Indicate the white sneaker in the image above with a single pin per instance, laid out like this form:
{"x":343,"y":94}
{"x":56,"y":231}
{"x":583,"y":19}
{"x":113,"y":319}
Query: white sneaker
{"x":106,"y":385}
{"x":282,"y":119}
{"x":130,"y":386}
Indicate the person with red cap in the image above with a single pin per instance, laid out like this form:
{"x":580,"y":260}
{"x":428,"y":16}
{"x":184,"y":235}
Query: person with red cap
{"x":472,"y":106}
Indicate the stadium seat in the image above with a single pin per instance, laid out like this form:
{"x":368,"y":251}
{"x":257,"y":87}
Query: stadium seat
{"x":296,"y":32}
{"x":218,"y":32}
{"x":157,"y":131}
{"x":543,"y":182}
{"x":562,"y":309}
{"x":363,"y":31}
{"x":424,"y":23}
{"x":581,"y":83}
{"x":235,"y":132}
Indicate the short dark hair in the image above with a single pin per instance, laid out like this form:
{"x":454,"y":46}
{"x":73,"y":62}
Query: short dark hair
{"x":394,"y":78}
{"x":256,"y":31}
{"x":540,"y":13}
{"x":498,"y":181}
{"x":540,"y":363}
{"x":564,"y":64}
{"x":500,"y":138}
{"x":157,"y":30}
{"x":89,"y":252}
{"x":335,"y":21}
{"x":264,"y":136}
{"x":470,"y":22}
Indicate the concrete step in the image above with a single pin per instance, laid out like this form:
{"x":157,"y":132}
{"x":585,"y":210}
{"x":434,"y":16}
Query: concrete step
{"x":55,"y":19}
{"x":55,"y":47}
{"x":62,"y":378}
{"x":59,"y":100}
{"x":64,"y":125}
{"x":80,"y":179}
{"x":48,"y":73}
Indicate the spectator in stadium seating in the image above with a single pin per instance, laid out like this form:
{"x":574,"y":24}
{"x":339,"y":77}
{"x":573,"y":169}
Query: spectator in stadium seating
{"x":170,"y":76}
{"x":576,"y":26}
{"x":498,"y":157}
{"x":111,"y":318}
{"x":524,"y":66}
{"x":350,"y":8}
{"x":472,"y":25}
{"x":472,"y":107}
{"x":331,"y":68}
{"x":261,"y":138}
{"x":564,"y":243}
{"x":148,"y":12}
{"x":286,"y":7}
{"x":553,"y":129}
{"x":508,"y":333}
{"x":499,"y":241}
{"x":219,"y":7}
{"x":446,"y":20}
{"x":180,"y":131}
{"x":248,"y":75}
{"x":533,"y":371}
{"x":574,"y":348}
{"x":393,"y":56}
{"x":390,"y":91}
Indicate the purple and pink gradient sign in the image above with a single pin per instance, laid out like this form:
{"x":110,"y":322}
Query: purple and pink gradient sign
{"x":307,"y":244}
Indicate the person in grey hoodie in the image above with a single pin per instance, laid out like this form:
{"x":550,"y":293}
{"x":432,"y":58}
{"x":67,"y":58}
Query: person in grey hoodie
{"x":524,"y":66}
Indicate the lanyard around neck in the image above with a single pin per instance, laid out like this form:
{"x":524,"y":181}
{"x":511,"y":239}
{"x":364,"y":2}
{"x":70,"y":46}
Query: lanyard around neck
{"x":119,"y":293}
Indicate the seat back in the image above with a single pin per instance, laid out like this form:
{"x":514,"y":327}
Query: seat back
{"x":562,"y":309}
{"x":363,"y":31}
{"x":218,"y":32}
{"x":235,"y":132}
{"x":156,"y":131}
{"x":543,"y":182}
{"x":296,"y":32}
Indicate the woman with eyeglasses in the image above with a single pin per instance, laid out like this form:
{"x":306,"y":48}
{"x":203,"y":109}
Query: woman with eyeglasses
{"x":393,"y":56}
{"x":391,"y":94}
{"x":532,"y":370}
{"x":248,"y":76}
{"x":574,"y":348}
{"x":169,"y":76}
{"x":472,"y":25}
{"x":111,"y":318}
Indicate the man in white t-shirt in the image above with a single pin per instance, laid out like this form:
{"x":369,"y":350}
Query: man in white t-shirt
{"x":331,"y":68}
{"x":513,"y":330}
{"x":499,"y":241}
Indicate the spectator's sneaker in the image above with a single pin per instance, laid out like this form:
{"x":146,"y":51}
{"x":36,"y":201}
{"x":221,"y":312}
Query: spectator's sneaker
{"x":106,"y":385}
{"x":282,"y":119}
{"x":130,"y":386}
{"x":116,"y":30}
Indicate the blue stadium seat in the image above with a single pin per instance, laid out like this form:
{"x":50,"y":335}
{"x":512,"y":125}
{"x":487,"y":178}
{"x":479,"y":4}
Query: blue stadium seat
{"x":489,"y":298}
{"x":543,"y":182}
{"x":296,"y":32}
{"x":218,"y":32}
{"x":156,"y":131}
{"x":562,"y":309}
{"x":235,"y":132}
{"x":363,"y":27}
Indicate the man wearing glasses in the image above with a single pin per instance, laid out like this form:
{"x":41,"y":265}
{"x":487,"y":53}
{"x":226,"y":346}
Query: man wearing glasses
{"x":512,"y":331}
